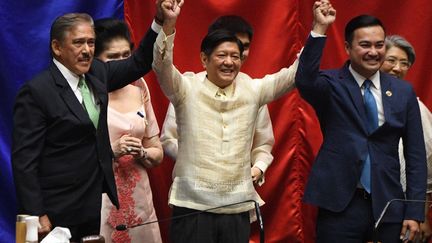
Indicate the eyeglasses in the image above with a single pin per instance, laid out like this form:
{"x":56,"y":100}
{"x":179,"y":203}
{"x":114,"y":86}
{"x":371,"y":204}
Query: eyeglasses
{"x":394,"y":61}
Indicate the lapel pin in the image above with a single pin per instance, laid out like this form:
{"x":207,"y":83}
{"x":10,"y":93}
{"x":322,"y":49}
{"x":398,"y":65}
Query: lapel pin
{"x":389,"y":93}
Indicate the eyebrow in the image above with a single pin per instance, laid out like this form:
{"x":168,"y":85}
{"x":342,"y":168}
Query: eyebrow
{"x":395,"y":57}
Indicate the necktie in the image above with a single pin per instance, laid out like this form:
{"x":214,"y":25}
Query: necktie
{"x":372,"y":124}
{"x":88,"y":102}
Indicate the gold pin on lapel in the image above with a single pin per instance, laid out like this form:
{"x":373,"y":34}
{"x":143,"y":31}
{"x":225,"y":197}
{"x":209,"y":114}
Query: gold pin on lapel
{"x":389,"y":93}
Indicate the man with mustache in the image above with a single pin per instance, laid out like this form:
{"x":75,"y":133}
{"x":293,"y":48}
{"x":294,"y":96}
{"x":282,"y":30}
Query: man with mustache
{"x":61,"y":154}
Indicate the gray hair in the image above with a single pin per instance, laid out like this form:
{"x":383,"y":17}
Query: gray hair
{"x":65,"y":23}
{"x":402,"y":43}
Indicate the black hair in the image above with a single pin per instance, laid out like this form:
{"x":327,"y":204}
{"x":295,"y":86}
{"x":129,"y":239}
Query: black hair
{"x":108,"y":29}
{"x":213,"y":39}
{"x":233,"y":23}
{"x":360,"y":22}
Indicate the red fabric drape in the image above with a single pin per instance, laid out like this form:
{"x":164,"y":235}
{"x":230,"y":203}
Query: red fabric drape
{"x":281,"y":27}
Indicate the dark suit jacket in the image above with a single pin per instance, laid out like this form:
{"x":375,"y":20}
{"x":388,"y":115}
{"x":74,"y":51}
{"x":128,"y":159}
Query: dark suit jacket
{"x":338,"y":102}
{"x":61,"y":163}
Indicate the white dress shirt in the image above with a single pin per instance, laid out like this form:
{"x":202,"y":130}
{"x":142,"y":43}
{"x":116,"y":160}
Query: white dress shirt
{"x":375,"y":88}
{"x":73,"y":80}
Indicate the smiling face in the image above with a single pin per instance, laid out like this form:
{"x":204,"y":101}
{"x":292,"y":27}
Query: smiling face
{"x":396,"y":62}
{"x":223,"y":64}
{"x":367,"y":50}
{"x":76,"y":50}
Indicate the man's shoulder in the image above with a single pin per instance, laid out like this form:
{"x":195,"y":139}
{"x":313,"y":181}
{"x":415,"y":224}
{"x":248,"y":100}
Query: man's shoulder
{"x":41,"y":79}
{"x":242,"y":75}
{"x":98,"y":68}
{"x":39,"y":86}
{"x":396,"y":83}
{"x":335,"y":74}
{"x":200,"y":75}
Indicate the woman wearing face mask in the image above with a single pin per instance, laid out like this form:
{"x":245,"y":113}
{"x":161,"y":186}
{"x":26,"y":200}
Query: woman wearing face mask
{"x":134,"y":136}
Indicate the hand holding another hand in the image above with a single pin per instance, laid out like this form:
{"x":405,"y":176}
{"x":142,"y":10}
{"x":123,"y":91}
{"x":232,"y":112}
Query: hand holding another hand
{"x":170,"y":10}
{"x":324,"y":15}
{"x":127,"y":144}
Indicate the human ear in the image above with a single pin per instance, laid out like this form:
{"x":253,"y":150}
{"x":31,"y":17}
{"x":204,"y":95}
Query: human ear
{"x":204,"y":59}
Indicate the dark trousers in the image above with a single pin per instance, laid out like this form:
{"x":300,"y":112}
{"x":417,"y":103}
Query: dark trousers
{"x":85,"y":229}
{"x":355,"y":224}
{"x":192,"y":226}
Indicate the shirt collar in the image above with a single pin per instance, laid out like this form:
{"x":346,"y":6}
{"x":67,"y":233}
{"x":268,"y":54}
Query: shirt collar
{"x":375,"y":78}
{"x":229,"y":90}
{"x":70,"y":77}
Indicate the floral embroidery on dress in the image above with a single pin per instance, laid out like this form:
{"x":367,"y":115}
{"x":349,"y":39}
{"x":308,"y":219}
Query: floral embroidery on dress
{"x":126,"y":176}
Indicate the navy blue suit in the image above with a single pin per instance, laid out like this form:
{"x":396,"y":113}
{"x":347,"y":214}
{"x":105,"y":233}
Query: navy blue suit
{"x":338,"y":102}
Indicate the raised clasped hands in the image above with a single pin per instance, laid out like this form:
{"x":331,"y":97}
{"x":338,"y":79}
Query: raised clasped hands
{"x":324,"y":15}
{"x":170,"y":10}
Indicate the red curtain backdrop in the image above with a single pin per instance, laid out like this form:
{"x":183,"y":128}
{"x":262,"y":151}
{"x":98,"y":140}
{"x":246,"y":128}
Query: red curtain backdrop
{"x":281,"y":27}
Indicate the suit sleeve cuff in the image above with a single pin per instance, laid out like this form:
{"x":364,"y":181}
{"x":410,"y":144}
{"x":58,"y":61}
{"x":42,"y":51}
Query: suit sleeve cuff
{"x":156,"y":27}
{"x":316,"y":35}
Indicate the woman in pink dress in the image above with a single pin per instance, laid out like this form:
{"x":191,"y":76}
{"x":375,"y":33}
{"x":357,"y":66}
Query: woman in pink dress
{"x":134,"y":135}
